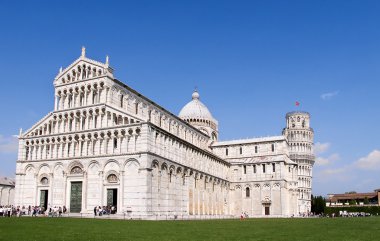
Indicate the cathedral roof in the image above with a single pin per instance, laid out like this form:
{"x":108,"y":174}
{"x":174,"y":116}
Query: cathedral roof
{"x":195,"y":109}
{"x":6,"y":181}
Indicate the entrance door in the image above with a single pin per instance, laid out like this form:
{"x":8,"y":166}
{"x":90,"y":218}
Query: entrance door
{"x":267,"y":210}
{"x":112,"y":198}
{"x":76,"y":197}
{"x":44,"y":199}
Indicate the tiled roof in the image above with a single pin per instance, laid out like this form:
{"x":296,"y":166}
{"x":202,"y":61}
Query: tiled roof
{"x":352,"y":196}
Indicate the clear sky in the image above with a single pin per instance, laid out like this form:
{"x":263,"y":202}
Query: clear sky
{"x":251,"y":60}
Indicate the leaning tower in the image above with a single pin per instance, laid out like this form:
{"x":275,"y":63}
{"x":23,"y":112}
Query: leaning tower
{"x":300,"y":137}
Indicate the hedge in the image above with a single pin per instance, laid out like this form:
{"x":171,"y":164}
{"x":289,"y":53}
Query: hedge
{"x":373,"y":210}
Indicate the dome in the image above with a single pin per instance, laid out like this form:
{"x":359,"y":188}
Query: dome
{"x":195,"y":109}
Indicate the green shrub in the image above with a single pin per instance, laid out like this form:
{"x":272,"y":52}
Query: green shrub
{"x":374,"y":210}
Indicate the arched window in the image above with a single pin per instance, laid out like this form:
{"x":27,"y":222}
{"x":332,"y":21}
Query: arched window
{"x":272,"y":147}
{"x":226,"y":151}
{"x":256,"y":149}
{"x":241,"y":150}
{"x":247,"y":192}
{"x":27,"y":153}
{"x":94,"y":97}
{"x":121,"y":101}
{"x":81,"y":99}
{"x":114,"y":143}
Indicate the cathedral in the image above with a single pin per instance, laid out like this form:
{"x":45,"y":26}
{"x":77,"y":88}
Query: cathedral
{"x":107,"y":144}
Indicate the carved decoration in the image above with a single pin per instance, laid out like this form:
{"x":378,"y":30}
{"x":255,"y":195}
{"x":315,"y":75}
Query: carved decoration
{"x":76,"y":170}
{"x":112,"y":178}
{"x":44,"y":181}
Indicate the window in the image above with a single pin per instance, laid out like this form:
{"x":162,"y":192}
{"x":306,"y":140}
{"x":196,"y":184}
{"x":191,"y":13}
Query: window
{"x":121,"y":101}
{"x":254,"y":168}
{"x":272,"y":147}
{"x":70,"y":101}
{"x":263,"y":168}
{"x":81,"y":99}
{"x":289,"y":169}
{"x":68,"y":149}
{"x":226,"y":151}
{"x":137,"y":108}
{"x":26,"y":152}
{"x":114,"y":143}
{"x":241,"y":150}
{"x":273,"y":167}
{"x":95,"y":121}
{"x":256,"y":149}
{"x":245,"y":169}
{"x":94,"y":97}
{"x":247,"y":192}
{"x":83,"y":122}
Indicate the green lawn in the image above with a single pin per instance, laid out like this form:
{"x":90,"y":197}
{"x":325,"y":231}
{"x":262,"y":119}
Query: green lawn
{"x":50,"y":229}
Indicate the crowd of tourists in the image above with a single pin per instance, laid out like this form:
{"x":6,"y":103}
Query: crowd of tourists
{"x":104,"y":210}
{"x":34,"y":211}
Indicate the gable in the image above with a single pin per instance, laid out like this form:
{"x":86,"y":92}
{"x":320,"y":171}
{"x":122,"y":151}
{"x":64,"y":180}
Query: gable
{"x":82,"y":69}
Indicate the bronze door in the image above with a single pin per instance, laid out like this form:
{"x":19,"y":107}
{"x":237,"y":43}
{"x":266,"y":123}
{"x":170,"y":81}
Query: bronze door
{"x":76,"y":197}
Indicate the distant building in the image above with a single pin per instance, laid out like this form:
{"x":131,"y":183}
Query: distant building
{"x":7,"y":191}
{"x":369,"y":198}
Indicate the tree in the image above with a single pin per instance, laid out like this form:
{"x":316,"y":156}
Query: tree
{"x":318,"y":204}
{"x":352,"y":202}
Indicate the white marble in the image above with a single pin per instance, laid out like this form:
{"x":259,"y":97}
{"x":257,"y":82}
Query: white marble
{"x":117,"y":142}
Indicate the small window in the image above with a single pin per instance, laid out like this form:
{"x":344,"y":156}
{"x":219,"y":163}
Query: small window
{"x":245,"y":169}
{"x":247,"y":192}
{"x":137,"y":108}
{"x":273,"y":167}
{"x":289,"y":169}
{"x":254,"y":168}
{"x":226,"y":151}
{"x":121,"y":101}
{"x":256,"y":149}
{"x":263,"y":168}
{"x":114,"y":143}
{"x":241,"y":150}
{"x":68,"y":149}
{"x":26,"y":153}
{"x":94,"y":97}
{"x":272,"y":147}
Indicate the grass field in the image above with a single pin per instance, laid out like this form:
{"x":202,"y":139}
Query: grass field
{"x":51,"y":229}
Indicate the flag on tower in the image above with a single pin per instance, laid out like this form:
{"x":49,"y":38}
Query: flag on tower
{"x":297,"y":103}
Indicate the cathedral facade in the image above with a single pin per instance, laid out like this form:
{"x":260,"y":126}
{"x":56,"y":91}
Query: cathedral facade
{"x":106,"y":144}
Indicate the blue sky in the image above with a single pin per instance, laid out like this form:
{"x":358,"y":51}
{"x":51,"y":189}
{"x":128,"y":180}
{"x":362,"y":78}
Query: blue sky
{"x":251,"y":60}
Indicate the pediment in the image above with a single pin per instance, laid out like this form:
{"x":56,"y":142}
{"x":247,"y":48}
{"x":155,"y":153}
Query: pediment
{"x":82,"y":69}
